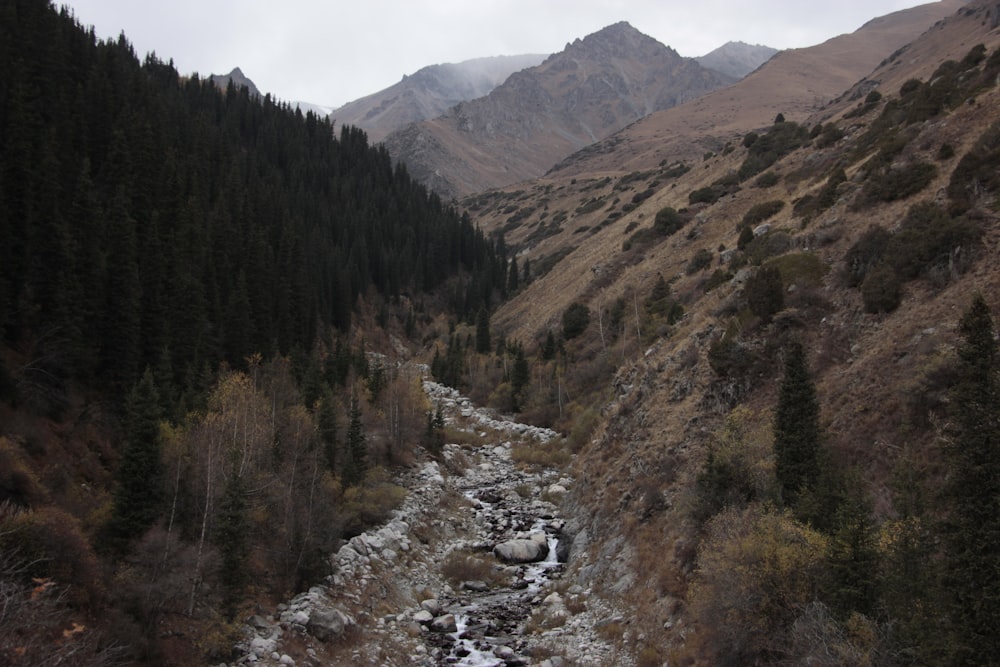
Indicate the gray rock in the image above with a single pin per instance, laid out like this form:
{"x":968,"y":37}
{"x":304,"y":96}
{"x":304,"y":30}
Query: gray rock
{"x":475,"y":586}
{"x":444,"y":623}
{"x":327,"y":624}
{"x":522,"y":551}
{"x":423,"y":616}
{"x":432,"y":606}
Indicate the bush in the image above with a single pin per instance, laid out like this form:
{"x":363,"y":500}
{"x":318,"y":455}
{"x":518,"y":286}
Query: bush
{"x":575,"y":320}
{"x":767,"y":180}
{"x":977,"y":173}
{"x":896,"y":184}
{"x":781,"y":139}
{"x":667,"y":221}
{"x":701,"y":260}
{"x":882,"y":290}
{"x":765,"y":293}
{"x":926,"y":239}
{"x":705,"y":195}
{"x":865,"y":254}
{"x":758,"y":213}
{"x":756,"y":570}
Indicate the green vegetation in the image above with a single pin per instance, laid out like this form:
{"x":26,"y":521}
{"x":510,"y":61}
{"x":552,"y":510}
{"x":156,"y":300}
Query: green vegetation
{"x":758,"y":213}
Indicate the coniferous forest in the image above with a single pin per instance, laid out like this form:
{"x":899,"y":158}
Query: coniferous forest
{"x":192,"y":418}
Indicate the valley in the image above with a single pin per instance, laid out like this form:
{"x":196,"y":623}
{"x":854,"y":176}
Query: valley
{"x":624,"y":362}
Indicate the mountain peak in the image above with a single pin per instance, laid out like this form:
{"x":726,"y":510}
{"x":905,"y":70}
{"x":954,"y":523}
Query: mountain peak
{"x":737,"y":59}
{"x":617,"y":40}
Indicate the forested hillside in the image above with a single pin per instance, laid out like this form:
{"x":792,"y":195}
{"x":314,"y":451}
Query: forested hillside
{"x":188,"y":416}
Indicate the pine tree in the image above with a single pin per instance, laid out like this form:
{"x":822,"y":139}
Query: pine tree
{"x":139,"y":474}
{"x":356,"y":463}
{"x":796,"y":429}
{"x":971,"y":579}
{"x":483,"y":332}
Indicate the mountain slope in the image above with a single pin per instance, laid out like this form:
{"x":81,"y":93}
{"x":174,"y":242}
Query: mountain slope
{"x":737,"y":59}
{"x":429,"y":92}
{"x":664,"y":392}
{"x":593,"y":88}
{"x":796,"y":83}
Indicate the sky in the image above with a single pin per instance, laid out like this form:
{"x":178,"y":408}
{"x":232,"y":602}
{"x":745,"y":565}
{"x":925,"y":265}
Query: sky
{"x":329,"y":52}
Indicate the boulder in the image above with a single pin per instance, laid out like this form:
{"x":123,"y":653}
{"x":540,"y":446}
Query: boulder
{"x":327,"y":624}
{"x":523,"y":551}
{"x":431,"y":605}
{"x":444,"y":623}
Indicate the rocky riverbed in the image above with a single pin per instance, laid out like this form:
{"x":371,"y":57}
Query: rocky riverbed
{"x":467,"y":571}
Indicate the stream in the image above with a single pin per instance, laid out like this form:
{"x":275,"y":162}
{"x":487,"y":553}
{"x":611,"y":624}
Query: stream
{"x":466,"y":572}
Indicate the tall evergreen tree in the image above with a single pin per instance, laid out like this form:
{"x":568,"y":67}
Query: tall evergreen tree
{"x":356,"y":463}
{"x":796,"y":428}
{"x":139,"y":474}
{"x":483,"y":345}
{"x":971,"y":579}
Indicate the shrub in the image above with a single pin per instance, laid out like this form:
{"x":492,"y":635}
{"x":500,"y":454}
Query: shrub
{"x":882,"y":290}
{"x":575,"y":320}
{"x":977,"y":173}
{"x":756,"y":570}
{"x":865,"y":254}
{"x":705,"y":195}
{"x":896,"y":184}
{"x":767,"y":180}
{"x":667,"y":221}
{"x":758,"y":213}
{"x":765,"y":293}
{"x":926,"y":239}
{"x":701,"y":260}
{"x":781,"y":139}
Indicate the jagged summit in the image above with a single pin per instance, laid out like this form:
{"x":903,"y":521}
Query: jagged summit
{"x":596,"y":86}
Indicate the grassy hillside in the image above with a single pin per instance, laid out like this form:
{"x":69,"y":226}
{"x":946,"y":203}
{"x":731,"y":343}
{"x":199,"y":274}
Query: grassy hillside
{"x":878,"y":218}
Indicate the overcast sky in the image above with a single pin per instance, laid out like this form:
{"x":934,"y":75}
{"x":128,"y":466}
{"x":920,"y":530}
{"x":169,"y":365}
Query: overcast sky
{"x":330,"y":52}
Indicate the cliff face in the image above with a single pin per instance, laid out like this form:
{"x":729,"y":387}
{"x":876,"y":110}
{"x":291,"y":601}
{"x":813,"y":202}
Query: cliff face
{"x":593,"y":88}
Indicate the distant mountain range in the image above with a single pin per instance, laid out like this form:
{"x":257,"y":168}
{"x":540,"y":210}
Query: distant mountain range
{"x":593,"y":88}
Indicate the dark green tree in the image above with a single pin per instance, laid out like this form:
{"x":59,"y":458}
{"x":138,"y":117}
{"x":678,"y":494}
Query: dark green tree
{"x":765,"y":293}
{"x":971,"y":530}
{"x":137,"y":493}
{"x":356,"y":462}
{"x":326,"y":423}
{"x":575,"y":320}
{"x":232,"y":538}
{"x":796,"y":428}
{"x":483,"y":345}
{"x":852,"y":554}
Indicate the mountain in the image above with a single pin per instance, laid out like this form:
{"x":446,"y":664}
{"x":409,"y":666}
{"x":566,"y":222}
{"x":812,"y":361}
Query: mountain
{"x":594,"y":87}
{"x":737,"y":59}
{"x":238,"y":78}
{"x":429,"y":92}
{"x":795,"y":82}
{"x":861,"y":229}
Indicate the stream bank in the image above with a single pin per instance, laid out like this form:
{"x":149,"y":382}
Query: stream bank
{"x":466,"y":572}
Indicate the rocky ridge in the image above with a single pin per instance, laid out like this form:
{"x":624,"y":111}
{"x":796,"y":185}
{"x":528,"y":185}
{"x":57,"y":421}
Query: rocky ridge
{"x":593,"y":88}
{"x":388,"y":600}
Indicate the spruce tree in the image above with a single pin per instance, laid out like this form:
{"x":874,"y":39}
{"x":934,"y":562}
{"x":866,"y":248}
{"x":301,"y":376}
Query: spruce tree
{"x":139,"y":474}
{"x":971,"y":573}
{"x":483,"y":332}
{"x":357,"y":450}
{"x":796,"y":428}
